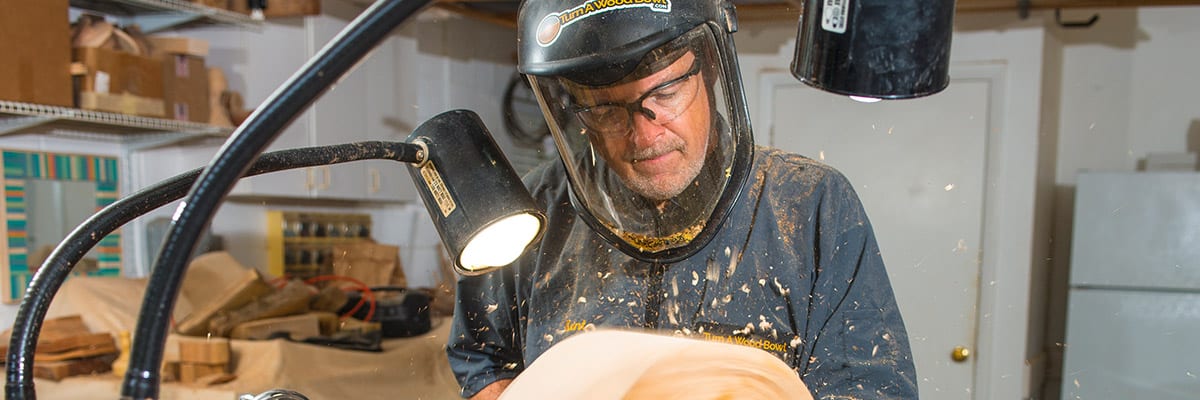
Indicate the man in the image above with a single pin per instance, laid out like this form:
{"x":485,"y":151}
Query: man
{"x":663,"y":216}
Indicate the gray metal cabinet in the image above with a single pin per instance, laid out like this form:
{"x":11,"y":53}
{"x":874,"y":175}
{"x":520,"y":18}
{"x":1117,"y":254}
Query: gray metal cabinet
{"x":1134,"y":302}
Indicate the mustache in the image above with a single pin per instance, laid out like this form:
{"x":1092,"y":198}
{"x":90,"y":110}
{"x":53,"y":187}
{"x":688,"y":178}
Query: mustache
{"x":659,"y":148}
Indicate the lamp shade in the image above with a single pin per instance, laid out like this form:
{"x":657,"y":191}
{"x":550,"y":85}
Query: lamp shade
{"x":886,"y":49}
{"x":484,"y":214}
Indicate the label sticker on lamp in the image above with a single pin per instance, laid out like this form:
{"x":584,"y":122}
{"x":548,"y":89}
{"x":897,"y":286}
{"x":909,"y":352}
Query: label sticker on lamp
{"x":833,"y":15}
{"x":437,"y":188}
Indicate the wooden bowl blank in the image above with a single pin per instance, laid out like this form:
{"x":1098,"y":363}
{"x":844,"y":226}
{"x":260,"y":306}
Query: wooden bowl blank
{"x":612,"y":365}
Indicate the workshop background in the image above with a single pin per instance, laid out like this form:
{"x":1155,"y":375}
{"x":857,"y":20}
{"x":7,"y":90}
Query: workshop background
{"x":1040,"y":218}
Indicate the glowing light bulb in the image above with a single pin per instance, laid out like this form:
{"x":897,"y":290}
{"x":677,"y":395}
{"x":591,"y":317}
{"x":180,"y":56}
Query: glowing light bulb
{"x":500,"y":243}
{"x":864,"y":99}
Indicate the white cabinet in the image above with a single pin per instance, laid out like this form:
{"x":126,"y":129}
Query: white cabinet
{"x":1134,"y":298}
{"x":388,"y":119}
{"x":340,"y":115}
{"x":257,"y":63}
{"x":361,"y":106}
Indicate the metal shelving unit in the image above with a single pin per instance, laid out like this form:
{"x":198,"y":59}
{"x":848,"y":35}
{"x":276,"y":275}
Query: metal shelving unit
{"x":20,"y":118}
{"x":157,"y":15}
{"x":151,"y":15}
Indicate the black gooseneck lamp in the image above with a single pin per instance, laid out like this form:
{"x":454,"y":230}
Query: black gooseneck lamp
{"x":458,"y":163}
{"x":481,"y":209}
{"x":875,"y":50}
{"x":506,"y":203}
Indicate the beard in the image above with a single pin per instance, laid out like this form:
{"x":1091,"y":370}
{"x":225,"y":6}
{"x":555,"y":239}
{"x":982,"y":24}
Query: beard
{"x":664,"y":186}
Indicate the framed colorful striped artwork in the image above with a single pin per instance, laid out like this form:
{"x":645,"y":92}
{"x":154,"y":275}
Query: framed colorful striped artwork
{"x":46,"y":196}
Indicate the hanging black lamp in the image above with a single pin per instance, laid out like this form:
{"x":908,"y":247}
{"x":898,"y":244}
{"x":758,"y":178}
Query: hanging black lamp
{"x":875,"y":49}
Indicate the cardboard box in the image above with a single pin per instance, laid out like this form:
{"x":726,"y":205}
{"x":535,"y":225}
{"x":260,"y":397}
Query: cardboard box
{"x":185,"y":88}
{"x":123,"y":103}
{"x":169,"y":45}
{"x":35,"y":52}
{"x":114,"y":72}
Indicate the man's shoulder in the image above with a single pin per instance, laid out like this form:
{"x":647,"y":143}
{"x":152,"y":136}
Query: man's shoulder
{"x":778,"y":165}
{"x":793,"y":182}
{"x":547,"y":178}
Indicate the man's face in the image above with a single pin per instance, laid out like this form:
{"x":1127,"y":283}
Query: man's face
{"x":657,"y":156}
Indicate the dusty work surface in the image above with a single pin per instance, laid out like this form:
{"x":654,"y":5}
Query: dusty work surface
{"x":408,"y":368}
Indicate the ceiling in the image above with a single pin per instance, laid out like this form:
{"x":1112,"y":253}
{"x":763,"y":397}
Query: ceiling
{"x":504,"y":12}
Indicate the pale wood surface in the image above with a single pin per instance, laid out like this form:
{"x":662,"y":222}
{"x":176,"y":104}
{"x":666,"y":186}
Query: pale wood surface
{"x":603,"y":365}
{"x":204,"y":350}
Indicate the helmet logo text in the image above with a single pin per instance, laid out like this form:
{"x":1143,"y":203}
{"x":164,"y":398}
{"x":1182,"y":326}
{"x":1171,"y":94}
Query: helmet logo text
{"x":552,"y":24}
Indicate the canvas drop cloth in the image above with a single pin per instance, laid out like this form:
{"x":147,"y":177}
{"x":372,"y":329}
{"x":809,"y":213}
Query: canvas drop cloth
{"x":408,"y":368}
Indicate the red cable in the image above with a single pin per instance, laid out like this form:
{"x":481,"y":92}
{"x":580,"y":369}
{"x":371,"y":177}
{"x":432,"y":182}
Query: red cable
{"x":368,"y":296}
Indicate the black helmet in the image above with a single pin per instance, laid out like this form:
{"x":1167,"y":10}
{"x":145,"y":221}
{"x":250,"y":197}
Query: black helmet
{"x":645,"y":104}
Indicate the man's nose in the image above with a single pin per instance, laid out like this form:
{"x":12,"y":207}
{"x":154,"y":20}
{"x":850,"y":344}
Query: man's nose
{"x":646,"y":129}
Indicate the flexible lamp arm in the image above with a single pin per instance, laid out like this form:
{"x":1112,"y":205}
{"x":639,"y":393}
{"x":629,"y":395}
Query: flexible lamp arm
{"x":248,"y":141}
{"x":57,"y":267}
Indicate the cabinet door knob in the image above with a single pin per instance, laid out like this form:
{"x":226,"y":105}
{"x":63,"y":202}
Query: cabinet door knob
{"x":374,"y":181}
{"x":326,"y":179}
{"x":960,"y":354}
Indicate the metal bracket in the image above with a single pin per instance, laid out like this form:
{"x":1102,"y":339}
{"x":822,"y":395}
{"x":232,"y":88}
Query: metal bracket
{"x":1074,"y":25}
{"x":731,"y":22}
{"x":1023,"y":8}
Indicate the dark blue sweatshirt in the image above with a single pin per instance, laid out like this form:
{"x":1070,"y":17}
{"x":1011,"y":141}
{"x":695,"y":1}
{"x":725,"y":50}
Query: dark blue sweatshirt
{"x":795,"y":271}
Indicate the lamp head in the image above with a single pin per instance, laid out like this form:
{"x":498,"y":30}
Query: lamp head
{"x":875,"y":49}
{"x":483,"y":213}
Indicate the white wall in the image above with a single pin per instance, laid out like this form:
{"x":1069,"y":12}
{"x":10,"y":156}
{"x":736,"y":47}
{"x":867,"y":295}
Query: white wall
{"x":1128,"y":88}
{"x":1112,"y":94}
{"x":1016,"y":48}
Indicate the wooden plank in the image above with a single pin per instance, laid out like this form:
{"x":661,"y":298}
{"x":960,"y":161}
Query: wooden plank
{"x":89,"y":351}
{"x":62,"y":334}
{"x":291,"y":300}
{"x":57,"y":370}
{"x":75,"y":342}
{"x":194,"y":372}
{"x":297,"y":327}
{"x":204,"y":351}
{"x":249,"y":287}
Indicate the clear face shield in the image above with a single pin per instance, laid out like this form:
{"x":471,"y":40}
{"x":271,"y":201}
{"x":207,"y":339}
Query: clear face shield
{"x":649,"y":155}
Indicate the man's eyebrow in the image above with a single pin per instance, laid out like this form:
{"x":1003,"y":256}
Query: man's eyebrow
{"x":691,"y":71}
{"x":592,"y":93}
{"x":576,"y":102}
